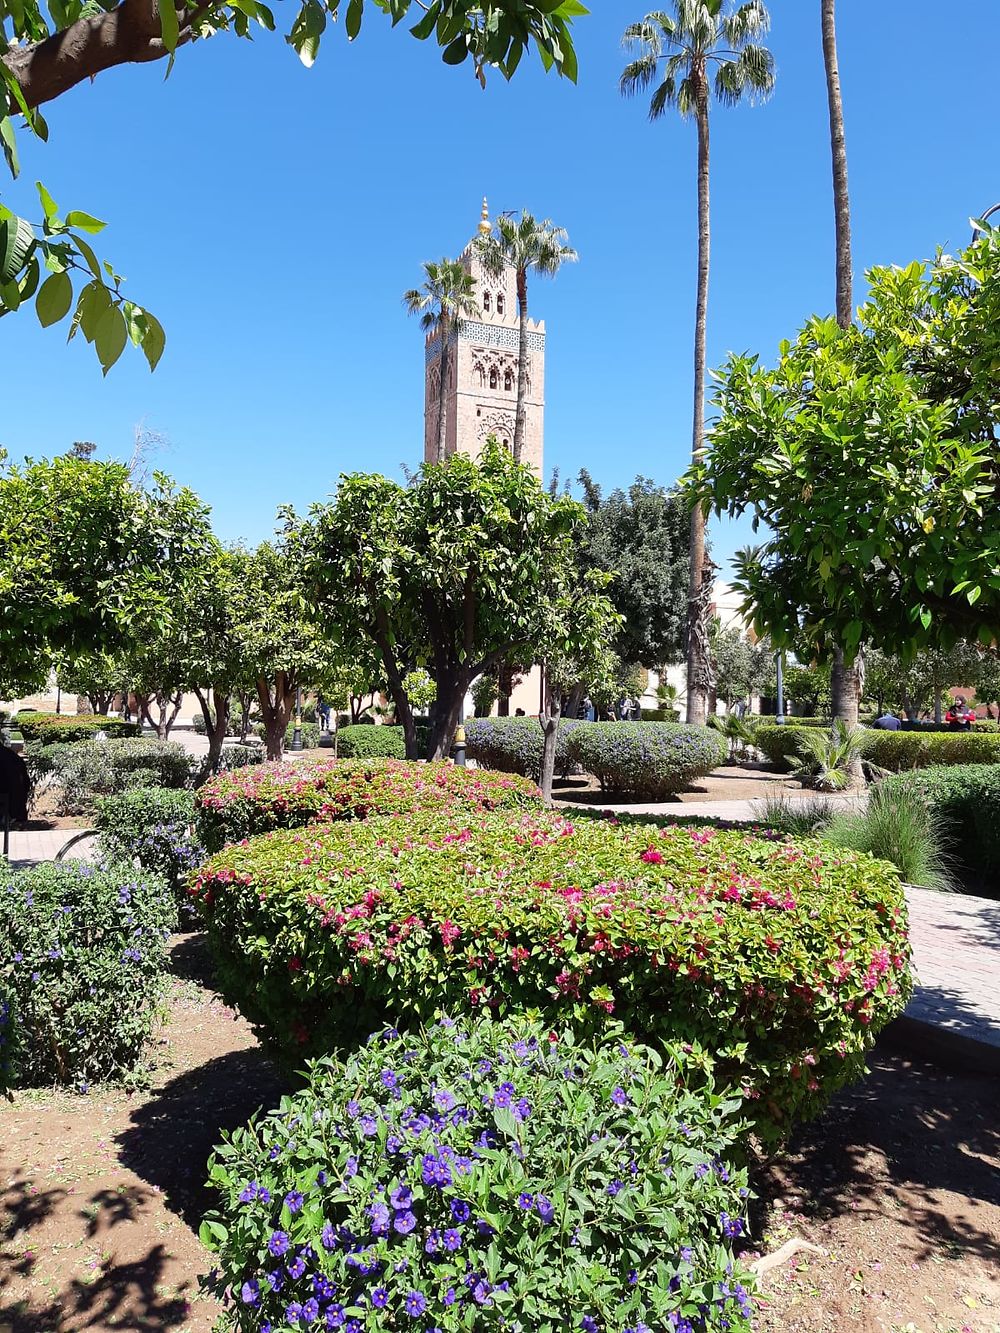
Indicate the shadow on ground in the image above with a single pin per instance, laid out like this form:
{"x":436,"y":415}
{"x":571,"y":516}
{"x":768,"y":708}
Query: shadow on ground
{"x":172,"y":1134}
{"x":912,"y":1137}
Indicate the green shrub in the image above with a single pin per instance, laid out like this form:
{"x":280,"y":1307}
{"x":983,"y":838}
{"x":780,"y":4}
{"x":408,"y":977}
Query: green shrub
{"x":647,"y":759}
{"x":899,"y":828}
{"x":371,"y":743}
{"x":891,"y":750}
{"x":90,"y":769}
{"x":659,"y":714}
{"x":282,"y":796}
{"x":785,"y":960}
{"x":154,"y":827}
{"x":498,"y":1180}
{"x":311,"y":733}
{"x":65,"y":728}
{"x":514,"y":744}
{"x":966,"y":799}
{"x":779,"y":745}
{"x":82,"y":956}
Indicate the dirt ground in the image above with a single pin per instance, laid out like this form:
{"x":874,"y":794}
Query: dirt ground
{"x":101,"y":1195}
{"x":731,"y":782}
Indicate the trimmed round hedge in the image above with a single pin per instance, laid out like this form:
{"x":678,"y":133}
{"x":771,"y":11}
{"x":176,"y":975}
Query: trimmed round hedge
{"x":239,"y":805}
{"x":649,"y":759}
{"x":64,"y":728}
{"x":364,"y":742}
{"x":785,"y":960}
{"x":82,"y":963}
{"x":485,"y":1176}
{"x":967,"y":798}
{"x":514,"y":744}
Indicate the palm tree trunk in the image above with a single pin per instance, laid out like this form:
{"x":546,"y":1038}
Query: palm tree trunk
{"x":698,"y":661}
{"x":845,"y":679}
{"x":838,"y":151}
{"x":520,"y":416}
{"x":442,"y":394}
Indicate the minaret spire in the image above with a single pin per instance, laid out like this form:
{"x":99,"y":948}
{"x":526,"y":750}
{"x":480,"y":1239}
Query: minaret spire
{"x":485,"y":225}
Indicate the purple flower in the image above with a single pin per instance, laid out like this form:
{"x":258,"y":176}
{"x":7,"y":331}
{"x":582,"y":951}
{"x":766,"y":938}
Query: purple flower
{"x":249,"y":1192}
{"x":310,"y":1310}
{"x":452,"y":1240}
{"x":687,"y":1254}
{"x":250,"y":1293}
{"x":416,"y":1304}
{"x":328,"y":1236}
{"x":389,"y":1079}
{"x":526,"y":1201}
{"x":404,"y":1222}
{"x":263,"y":1194}
{"x":293,"y":1312}
{"x":294,"y":1201}
{"x":353,"y":1109}
{"x":277,"y":1279}
{"x":522,"y":1109}
{"x":433,"y":1242}
{"x":401,"y":1197}
{"x":278,"y":1244}
{"x":619,"y":1097}
{"x":545,"y":1210}
{"x":379,"y":1214}
{"x":615,"y":1187}
{"x":481,"y":1292}
{"x":460,"y":1210}
{"x":444,"y":1100}
{"x":296,"y":1267}
{"x":380,"y":1298}
{"x":485,"y":1228}
{"x":450,"y":1297}
{"x":589,"y":1324}
{"x":368,"y":1125}
{"x":335,"y":1316}
{"x":731,"y":1226}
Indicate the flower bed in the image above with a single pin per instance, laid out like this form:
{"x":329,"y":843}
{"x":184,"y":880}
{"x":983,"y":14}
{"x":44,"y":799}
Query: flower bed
{"x":967,"y":798}
{"x":64,"y":728}
{"x":785,"y":960}
{"x":82,"y":960}
{"x":486,"y":1177}
{"x":277,"y":796}
{"x":648,"y":759}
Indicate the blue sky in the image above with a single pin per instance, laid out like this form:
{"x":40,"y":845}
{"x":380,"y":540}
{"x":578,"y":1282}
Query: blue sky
{"x":272,"y":216}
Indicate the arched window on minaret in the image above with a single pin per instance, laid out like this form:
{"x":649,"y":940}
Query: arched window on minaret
{"x":494,"y":378}
{"x":500,"y":303}
{"x":508,"y":381}
{"x":486,"y":303}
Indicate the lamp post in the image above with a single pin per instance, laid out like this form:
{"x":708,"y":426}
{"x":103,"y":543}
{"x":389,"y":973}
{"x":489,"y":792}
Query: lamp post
{"x":976,"y":229}
{"x":779,"y":671}
{"x":460,"y":746}
{"x":297,"y":733}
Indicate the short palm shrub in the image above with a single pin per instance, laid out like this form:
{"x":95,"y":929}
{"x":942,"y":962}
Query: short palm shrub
{"x":154,"y":827}
{"x":65,"y":728}
{"x":648,"y":759}
{"x":514,"y":744}
{"x":91,"y":769}
{"x":965,"y":799}
{"x":282,"y":796}
{"x":828,"y":759}
{"x":82,"y":965}
{"x":738,"y":734}
{"x":361,"y":742}
{"x":784,"y":960}
{"x":481,"y":1176}
{"x":898,"y":827}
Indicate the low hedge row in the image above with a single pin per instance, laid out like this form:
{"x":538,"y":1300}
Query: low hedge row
{"x":283,"y":796}
{"x":88,"y":770}
{"x":64,"y":728}
{"x":892,"y":750}
{"x":82,"y":966}
{"x":465,"y":1156}
{"x":784,"y":960}
{"x":967,"y":798}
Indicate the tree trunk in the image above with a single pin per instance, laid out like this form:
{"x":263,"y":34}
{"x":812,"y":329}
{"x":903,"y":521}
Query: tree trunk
{"x":215,"y":710}
{"x":698,"y":661}
{"x":549,"y":721}
{"x":505,"y":687}
{"x":442,"y":443}
{"x":275,"y":713}
{"x":167,"y":708}
{"x":451,"y":691}
{"x":520,"y":414}
{"x":838,"y":151}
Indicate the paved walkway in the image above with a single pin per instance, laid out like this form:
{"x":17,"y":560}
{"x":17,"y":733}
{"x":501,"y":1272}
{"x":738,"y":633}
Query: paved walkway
{"x":744,"y":811}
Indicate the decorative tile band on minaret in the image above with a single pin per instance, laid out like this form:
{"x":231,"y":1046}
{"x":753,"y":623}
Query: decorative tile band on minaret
{"x":481,"y":394}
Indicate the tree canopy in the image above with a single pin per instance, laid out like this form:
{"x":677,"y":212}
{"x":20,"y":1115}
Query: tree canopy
{"x":641,"y":537}
{"x":871,"y":454}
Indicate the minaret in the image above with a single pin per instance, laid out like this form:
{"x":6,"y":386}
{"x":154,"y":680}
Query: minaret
{"x":481,"y":395}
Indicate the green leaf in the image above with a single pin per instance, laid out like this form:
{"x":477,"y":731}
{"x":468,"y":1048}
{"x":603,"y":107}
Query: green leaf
{"x":154,"y":340}
{"x":352,"y":23}
{"x":169,"y":28}
{"x":17,"y":241}
{"x":8,"y":143}
{"x":110,"y":337}
{"x":48,"y":203}
{"x":54,"y":299}
{"x":456,"y":51}
{"x":84,"y":221}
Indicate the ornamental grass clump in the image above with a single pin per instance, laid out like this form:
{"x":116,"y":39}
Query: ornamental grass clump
{"x":651,"y":760}
{"x":485,"y":1176}
{"x":284,"y":796}
{"x":82,"y":964}
{"x":784,"y":960}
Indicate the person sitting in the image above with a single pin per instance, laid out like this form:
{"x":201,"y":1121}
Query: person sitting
{"x":887,"y":722}
{"x":958,"y":715}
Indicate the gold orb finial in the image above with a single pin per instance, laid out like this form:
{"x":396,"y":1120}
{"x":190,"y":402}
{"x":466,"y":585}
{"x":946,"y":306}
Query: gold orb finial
{"x":485,"y":225}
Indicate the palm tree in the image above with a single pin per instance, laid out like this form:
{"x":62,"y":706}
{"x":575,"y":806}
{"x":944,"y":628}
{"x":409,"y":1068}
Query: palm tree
{"x":446,"y":296}
{"x":527,"y":246}
{"x":846,"y":680}
{"x":699,"y":50}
